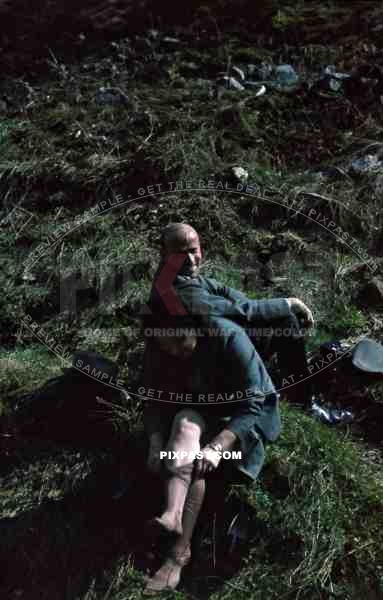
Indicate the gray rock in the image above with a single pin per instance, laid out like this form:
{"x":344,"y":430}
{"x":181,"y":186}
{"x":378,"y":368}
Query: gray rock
{"x":286,"y":75}
{"x":329,"y":83}
{"x":170,"y":41}
{"x":239,"y":174}
{"x":332,"y":72}
{"x":29,"y":277}
{"x":331,"y":415}
{"x":366,"y":164}
{"x":332,"y":80}
{"x":330,"y":69}
{"x":189,"y":67}
{"x":111,"y":95}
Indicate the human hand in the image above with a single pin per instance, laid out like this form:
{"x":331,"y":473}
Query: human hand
{"x":208,"y":463}
{"x":299,"y":308}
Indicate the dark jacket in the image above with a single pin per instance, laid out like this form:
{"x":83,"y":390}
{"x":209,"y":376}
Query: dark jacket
{"x":208,"y":297}
{"x":226,"y":365}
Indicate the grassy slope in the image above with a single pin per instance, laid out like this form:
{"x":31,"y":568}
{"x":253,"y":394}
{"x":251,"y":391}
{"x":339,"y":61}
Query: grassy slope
{"x":65,"y":154}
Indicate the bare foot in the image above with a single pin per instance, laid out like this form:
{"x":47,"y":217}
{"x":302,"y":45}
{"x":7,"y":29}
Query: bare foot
{"x":168,"y":576}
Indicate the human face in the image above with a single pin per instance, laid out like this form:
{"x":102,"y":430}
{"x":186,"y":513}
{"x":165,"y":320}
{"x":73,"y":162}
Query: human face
{"x":186,"y":241}
{"x":178,"y":346}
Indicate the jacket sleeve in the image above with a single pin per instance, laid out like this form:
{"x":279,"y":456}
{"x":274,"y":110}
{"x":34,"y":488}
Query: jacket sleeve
{"x":259,"y":408}
{"x":217,"y":300}
{"x":225,"y":291}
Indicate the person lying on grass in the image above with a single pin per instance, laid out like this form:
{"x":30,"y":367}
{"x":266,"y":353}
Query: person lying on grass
{"x":207,"y":393}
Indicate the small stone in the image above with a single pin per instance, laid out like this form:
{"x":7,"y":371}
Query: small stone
{"x":240,"y":174}
{"x":365,"y":165}
{"x":189,"y":66}
{"x":330,"y":69}
{"x":170,"y":40}
{"x":332,"y":72}
{"x":286,"y":75}
{"x":329,"y":83}
{"x":111,"y":95}
{"x":334,"y":85}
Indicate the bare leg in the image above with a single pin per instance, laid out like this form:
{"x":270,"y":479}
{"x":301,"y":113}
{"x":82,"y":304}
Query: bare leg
{"x":187,"y":428}
{"x":169,"y":574}
{"x":183,"y":504}
{"x":193,"y":505}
